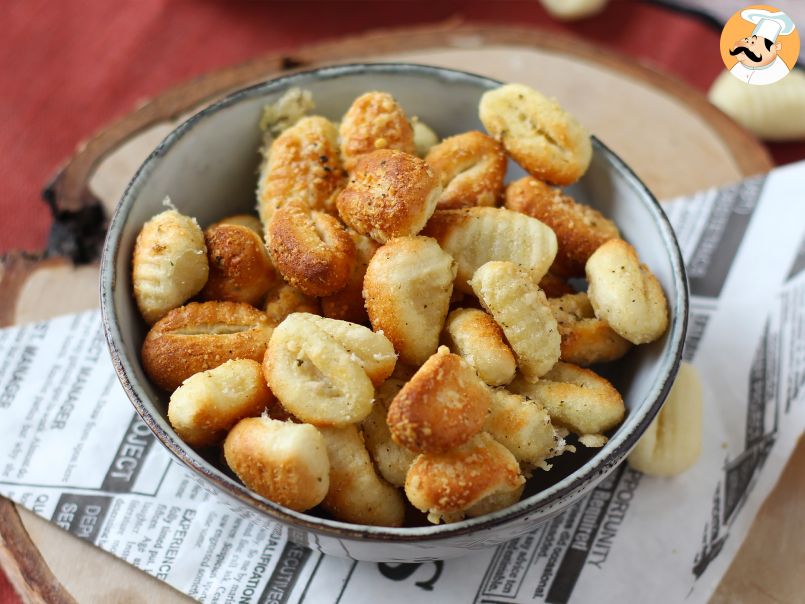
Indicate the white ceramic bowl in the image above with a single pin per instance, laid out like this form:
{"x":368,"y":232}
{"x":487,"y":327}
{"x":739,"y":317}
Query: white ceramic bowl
{"x":208,"y":167}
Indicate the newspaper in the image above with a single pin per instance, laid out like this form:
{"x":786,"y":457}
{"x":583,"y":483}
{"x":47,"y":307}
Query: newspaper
{"x":73,"y":451}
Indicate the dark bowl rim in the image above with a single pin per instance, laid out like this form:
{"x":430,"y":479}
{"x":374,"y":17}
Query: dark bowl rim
{"x":569,"y":488}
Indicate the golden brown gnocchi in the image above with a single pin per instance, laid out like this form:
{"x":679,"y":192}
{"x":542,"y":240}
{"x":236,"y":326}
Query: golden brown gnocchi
{"x":575,"y":398}
{"x":539,"y":135}
{"x":470,"y":167}
{"x":524,"y":427}
{"x":475,"y":336}
{"x":579,"y":229}
{"x":311,"y":249}
{"x":202,"y":336}
{"x":390,"y":194}
{"x":480,"y":475}
{"x":586,"y":340}
{"x":208,"y":404}
{"x":304,"y":165}
{"x":282,"y":461}
{"x":407,"y":290}
{"x":240,"y":268}
{"x":374,"y":121}
{"x":441,"y":407}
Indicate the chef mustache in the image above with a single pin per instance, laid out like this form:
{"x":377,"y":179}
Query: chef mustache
{"x":743,"y":49}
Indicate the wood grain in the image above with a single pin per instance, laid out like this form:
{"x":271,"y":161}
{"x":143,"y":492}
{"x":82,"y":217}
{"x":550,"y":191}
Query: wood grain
{"x":40,"y":558}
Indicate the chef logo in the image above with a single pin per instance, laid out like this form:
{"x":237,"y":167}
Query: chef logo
{"x":760,"y":45}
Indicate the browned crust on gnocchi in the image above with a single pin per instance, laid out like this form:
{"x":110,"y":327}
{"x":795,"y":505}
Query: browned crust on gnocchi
{"x":312,"y":250}
{"x":580,"y":229}
{"x":407,"y":290}
{"x":538,"y":134}
{"x":304,"y":164}
{"x":374,"y":121}
{"x":202,"y":336}
{"x":576,"y":398}
{"x":282,"y":461}
{"x":446,"y":485}
{"x":475,"y":336}
{"x":441,"y":407}
{"x":389,"y":194}
{"x":586,"y":340}
{"x":240,"y":268}
{"x":206,"y":406}
{"x":471,"y":167}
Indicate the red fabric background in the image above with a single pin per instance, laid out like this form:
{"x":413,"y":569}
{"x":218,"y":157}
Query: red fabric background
{"x":67,"y":68}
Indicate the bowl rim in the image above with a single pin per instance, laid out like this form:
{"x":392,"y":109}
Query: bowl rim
{"x":571,"y":487}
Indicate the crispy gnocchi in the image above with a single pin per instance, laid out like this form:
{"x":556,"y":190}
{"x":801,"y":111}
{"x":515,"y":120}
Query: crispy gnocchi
{"x":579,"y":229}
{"x":379,"y":243}
{"x":470,"y":167}
{"x":311,"y":249}
{"x":374,"y":121}
{"x":208,"y":404}
{"x":475,"y":236}
{"x":169,"y":264}
{"x":282,"y":461}
{"x":303,"y":164}
{"x":240,"y":268}
{"x":479,"y":475}
{"x":407,"y":289}
{"x":537,"y":133}
{"x":202,"y":336}
{"x":441,"y":407}
{"x":522,"y":425}
{"x":576,"y":398}
{"x":474,"y":335}
{"x":521,"y":309}
{"x":390,"y":194}
{"x":357,"y":494}
{"x":625,"y":293}
{"x":586,"y":340}
{"x":314,"y":376}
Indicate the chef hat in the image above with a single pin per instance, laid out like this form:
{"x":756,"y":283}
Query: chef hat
{"x":769,"y":25}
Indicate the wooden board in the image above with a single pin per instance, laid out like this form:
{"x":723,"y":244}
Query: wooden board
{"x":675,"y":140}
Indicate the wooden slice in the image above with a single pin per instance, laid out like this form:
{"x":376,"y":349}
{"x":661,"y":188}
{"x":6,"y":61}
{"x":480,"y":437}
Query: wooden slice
{"x":669,"y":133}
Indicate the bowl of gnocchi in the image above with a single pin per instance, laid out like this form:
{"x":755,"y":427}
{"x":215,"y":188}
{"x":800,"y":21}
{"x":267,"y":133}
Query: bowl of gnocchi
{"x":402,"y":311}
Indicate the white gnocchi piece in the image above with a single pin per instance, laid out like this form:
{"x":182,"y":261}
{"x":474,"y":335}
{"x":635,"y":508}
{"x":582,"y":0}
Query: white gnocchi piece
{"x":673,"y":441}
{"x":169,"y":264}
